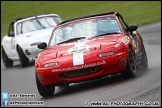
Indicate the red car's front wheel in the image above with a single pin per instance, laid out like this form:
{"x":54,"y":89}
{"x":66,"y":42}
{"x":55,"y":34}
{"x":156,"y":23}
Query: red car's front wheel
{"x":47,"y":90}
{"x":130,"y":70}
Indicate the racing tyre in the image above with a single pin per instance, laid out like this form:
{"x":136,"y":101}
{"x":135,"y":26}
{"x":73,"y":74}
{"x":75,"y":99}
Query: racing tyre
{"x":6,"y":61}
{"x":130,"y":70}
{"x":144,"y":60}
{"x":23,"y":59}
{"x":44,"y":91}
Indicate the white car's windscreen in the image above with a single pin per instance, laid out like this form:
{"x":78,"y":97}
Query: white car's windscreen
{"x":37,"y":24}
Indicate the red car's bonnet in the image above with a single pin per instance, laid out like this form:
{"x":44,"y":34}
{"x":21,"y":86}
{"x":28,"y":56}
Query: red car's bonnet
{"x":94,"y":43}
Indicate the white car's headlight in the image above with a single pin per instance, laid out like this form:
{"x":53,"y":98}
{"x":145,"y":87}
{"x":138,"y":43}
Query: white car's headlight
{"x":35,"y":43}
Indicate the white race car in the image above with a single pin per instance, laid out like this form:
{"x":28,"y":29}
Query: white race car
{"x":23,"y":37}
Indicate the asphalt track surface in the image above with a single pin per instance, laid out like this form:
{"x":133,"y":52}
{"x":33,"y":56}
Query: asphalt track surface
{"x":143,"y":90}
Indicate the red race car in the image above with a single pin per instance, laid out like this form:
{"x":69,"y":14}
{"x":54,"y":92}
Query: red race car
{"x":89,"y":47}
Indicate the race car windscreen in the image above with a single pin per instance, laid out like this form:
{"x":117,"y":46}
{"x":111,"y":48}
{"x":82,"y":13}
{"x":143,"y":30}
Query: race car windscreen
{"x":85,"y":28}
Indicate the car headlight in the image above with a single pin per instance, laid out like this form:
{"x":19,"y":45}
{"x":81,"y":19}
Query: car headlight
{"x":51,"y":64}
{"x":106,"y":54}
{"x":34,"y":44}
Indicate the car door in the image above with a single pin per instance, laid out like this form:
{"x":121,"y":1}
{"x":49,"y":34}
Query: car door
{"x":9,"y":42}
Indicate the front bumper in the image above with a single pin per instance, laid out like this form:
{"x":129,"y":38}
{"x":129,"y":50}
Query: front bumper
{"x":92,"y":69}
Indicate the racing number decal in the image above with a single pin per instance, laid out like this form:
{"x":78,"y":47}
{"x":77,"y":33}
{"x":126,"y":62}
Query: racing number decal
{"x":78,"y":52}
{"x":79,"y":49}
{"x":78,"y":57}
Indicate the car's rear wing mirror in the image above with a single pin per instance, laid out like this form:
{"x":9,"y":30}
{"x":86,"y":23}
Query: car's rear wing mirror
{"x":133,"y":27}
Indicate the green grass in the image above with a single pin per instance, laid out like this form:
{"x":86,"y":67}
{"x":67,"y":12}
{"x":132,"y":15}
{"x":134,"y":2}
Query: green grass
{"x":134,"y":12}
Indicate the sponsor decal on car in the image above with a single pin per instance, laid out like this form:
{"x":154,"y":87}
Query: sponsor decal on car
{"x":80,"y":66}
{"x":126,"y":40}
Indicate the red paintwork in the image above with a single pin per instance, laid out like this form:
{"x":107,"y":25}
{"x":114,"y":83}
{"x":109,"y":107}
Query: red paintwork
{"x":59,"y":54}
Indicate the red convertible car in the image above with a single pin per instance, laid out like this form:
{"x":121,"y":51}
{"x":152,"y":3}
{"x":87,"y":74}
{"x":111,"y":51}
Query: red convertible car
{"x":89,"y":47}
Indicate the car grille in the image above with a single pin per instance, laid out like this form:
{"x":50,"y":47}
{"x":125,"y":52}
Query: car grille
{"x":82,"y":72}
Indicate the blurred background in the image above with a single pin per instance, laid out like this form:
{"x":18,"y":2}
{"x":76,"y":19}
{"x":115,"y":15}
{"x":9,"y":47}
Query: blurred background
{"x":134,"y":12}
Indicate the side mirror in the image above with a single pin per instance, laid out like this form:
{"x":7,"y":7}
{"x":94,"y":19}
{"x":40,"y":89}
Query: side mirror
{"x":42,"y":45}
{"x":11,"y":34}
{"x":133,"y":27}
